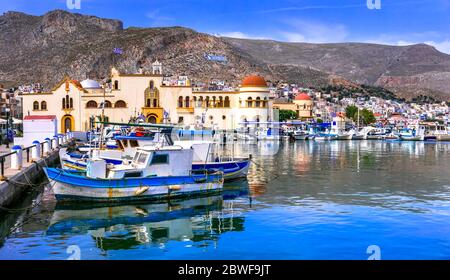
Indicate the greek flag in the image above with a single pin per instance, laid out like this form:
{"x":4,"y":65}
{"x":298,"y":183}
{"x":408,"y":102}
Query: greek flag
{"x":117,"y":51}
{"x":141,"y":117}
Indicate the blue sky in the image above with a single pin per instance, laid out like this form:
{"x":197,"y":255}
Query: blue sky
{"x":398,"y":22}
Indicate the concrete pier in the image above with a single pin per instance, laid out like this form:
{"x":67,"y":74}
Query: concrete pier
{"x":17,"y":176}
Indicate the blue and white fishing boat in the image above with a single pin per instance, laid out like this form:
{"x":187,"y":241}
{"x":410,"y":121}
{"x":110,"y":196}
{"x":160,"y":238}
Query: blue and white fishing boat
{"x":415,"y":134}
{"x":204,"y":156}
{"x":154,"y":173}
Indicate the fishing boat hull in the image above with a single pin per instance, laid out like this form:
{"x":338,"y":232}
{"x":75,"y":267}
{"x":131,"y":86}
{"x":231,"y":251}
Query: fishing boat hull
{"x":344,"y":137}
{"x":72,"y":186}
{"x":325,"y":137}
{"x":376,"y":137}
{"x":231,"y":170}
{"x":443,"y":137}
{"x":411,"y":138}
{"x":357,"y":137}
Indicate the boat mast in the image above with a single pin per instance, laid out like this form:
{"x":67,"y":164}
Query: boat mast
{"x":103,"y":122}
{"x":358,"y":118}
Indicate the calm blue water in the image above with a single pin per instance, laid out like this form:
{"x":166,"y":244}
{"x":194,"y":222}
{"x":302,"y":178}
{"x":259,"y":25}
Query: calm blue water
{"x":309,"y":200}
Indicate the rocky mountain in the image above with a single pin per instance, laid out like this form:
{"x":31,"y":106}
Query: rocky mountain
{"x":404,"y":69}
{"x":46,"y":48}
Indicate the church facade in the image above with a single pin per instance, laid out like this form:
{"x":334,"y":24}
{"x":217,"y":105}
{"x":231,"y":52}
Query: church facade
{"x":78,"y":105}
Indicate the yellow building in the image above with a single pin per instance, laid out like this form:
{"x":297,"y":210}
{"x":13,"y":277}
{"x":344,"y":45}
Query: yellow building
{"x":78,"y":105}
{"x":302,"y":105}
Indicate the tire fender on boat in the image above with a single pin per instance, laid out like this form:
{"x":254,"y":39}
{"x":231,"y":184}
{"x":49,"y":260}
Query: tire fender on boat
{"x":141,"y":190}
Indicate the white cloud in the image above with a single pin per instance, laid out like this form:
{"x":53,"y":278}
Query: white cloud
{"x":314,"y":32}
{"x":441,"y":45}
{"x":156,"y":16}
{"x":240,"y":35}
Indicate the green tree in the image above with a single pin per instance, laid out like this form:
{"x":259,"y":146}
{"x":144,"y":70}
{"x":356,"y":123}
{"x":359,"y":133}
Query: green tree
{"x":351,"y":112}
{"x":367,"y":116}
{"x":285,"y":115}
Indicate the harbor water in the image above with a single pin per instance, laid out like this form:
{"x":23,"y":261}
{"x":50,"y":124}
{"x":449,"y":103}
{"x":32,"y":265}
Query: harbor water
{"x":304,"y":200}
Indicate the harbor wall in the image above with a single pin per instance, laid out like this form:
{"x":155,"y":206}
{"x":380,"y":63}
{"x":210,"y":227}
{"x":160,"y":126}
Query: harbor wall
{"x":14,"y":187}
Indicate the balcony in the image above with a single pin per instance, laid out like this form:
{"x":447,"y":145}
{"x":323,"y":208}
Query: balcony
{"x":185,"y":110}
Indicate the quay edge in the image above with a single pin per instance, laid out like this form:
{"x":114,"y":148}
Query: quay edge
{"x":11,"y":193}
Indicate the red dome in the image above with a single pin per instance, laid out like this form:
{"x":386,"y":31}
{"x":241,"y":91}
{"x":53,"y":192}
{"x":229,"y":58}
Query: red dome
{"x":302,"y":96}
{"x":254,"y":81}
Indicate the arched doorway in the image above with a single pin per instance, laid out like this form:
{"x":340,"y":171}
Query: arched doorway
{"x":152,"y":119}
{"x":67,"y":123}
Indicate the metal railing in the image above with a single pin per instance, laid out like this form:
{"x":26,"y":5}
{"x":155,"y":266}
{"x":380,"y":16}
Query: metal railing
{"x":7,"y":158}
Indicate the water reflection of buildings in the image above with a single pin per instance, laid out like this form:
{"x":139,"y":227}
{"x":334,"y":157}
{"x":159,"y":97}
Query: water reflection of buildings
{"x":199,"y":221}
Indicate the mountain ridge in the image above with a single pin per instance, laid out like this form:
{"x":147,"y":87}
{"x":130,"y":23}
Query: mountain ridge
{"x":48,"y":47}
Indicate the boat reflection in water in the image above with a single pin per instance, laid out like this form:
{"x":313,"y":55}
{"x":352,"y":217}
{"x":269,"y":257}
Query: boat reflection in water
{"x":127,"y":226}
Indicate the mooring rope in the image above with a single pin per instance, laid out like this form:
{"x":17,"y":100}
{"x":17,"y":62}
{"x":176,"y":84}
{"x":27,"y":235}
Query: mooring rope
{"x":35,"y":187}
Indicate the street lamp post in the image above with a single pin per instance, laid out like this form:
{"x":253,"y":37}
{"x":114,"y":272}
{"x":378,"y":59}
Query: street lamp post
{"x":7,"y":125}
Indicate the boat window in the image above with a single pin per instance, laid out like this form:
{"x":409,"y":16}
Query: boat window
{"x":142,"y":158}
{"x":160,"y":159}
{"x":125,"y":143}
{"x":134,"y":143}
{"x":133,"y":174}
{"x":136,"y":156}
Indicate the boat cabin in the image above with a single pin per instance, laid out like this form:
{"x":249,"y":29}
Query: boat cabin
{"x":147,"y":161}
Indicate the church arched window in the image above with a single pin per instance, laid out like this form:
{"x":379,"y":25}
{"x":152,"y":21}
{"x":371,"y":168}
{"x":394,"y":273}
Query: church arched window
{"x":35,"y":105}
{"x":91,"y":104}
{"x":249,"y":102}
{"x":227,"y":102}
{"x":152,"y":84}
{"x":258,"y":102}
{"x":120,"y":104}
{"x":116,"y":84}
{"x":187,"y":102}
{"x":180,"y":102}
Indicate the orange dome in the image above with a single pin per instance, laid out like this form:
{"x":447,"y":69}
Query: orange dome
{"x":254,"y":81}
{"x":302,"y":96}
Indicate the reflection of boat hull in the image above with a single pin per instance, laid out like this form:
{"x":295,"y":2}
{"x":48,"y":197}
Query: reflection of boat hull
{"x":71,"y":186}
{"x":70,"y":217}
